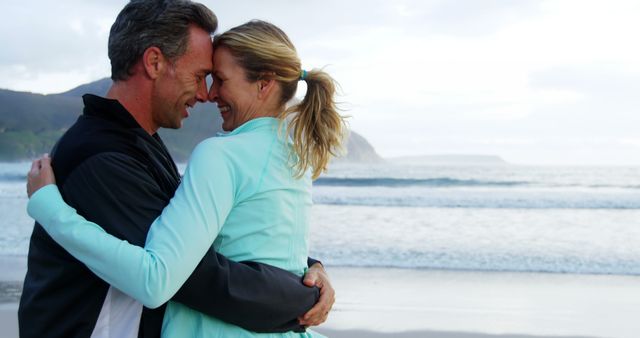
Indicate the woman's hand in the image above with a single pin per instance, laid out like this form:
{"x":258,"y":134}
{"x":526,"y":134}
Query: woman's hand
{"x":40,"y":174}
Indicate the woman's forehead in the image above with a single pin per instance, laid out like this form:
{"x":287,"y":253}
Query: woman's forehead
{"x":223,"y":61}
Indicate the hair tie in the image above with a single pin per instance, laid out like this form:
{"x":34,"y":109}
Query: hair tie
{"x":303,"y":75}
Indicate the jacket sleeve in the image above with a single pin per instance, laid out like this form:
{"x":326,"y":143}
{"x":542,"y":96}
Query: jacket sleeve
{"x":218,"y":287}
{"x":312,"y":261}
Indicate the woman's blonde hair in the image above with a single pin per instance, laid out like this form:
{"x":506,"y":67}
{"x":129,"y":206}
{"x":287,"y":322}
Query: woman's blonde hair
{"x":265,"y":52}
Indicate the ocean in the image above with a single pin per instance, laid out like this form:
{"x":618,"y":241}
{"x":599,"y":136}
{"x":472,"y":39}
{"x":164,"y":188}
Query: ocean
{"x":581,"y":220}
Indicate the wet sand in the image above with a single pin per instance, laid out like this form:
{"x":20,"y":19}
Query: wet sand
{"x":374,"y":302}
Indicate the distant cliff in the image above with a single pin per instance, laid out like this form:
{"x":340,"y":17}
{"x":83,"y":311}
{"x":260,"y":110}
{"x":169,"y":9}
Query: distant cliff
{"x":359,"y":150}
{"x":31,"y":123}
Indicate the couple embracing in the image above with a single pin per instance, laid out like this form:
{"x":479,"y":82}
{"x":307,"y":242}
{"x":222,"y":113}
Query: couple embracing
{"x":125,"y":247}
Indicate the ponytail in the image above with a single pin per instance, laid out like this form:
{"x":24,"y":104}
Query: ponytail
{"x":317,"y":128}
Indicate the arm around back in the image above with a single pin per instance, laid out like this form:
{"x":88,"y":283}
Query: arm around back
{"x":255,"y":296}
{"x":124,"y":199}
{"x":175,"y":244}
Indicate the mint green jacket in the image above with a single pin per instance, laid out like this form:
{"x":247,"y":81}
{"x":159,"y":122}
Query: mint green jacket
{"x":238,"y":194}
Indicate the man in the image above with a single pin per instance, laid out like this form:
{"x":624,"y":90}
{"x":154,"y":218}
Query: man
{"x":114,"y":169}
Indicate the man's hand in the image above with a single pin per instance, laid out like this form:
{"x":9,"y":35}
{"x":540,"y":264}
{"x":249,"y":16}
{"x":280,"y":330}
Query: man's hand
{"x":40,"y":174}
{"x":317,"y":276}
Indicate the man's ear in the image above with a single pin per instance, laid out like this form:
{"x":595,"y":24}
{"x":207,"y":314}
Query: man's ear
{"x":154,"y":62}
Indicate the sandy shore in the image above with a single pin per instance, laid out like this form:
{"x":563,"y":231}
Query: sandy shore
{"x":422,"y":334}
{"x":9,"y":320}
{"x":437,"y":303}
{"x":9,"y":324}
{"x":449,"y":304}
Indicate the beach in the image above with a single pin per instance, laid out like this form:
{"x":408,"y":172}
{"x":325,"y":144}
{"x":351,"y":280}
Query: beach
{"x":425,"y":303}
{"x":447,"y":252}
{"x":12,"y":271}
{"x":388,"y":302}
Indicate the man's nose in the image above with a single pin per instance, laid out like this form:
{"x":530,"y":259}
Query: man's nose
{"x":201,"y":94}
{"x":213,"y":93}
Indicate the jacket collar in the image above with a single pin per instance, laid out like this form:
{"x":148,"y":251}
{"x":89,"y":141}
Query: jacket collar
{"x":255,"y":124}
{"x":108,"y":109}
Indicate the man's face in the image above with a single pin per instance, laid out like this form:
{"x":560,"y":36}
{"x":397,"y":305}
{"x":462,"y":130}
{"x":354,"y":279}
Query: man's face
{"x":182,"y":84}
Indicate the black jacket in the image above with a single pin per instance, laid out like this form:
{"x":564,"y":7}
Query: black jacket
{"x":115,"y":174}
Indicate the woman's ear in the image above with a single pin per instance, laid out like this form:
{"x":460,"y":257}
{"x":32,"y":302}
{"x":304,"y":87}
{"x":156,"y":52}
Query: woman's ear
{"x":265,"y":87}
{"x":154,"y":62}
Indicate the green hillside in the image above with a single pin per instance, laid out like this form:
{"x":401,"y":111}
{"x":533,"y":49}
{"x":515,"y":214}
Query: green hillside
{"x":30,"y":124}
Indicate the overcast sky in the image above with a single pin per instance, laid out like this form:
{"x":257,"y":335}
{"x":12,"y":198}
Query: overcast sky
{"x":536,"y":82}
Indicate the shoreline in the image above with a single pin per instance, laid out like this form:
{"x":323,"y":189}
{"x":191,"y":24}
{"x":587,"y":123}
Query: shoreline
{"x":497,"y":304}
{"x":425,"y":334}
{"x":406,"y":303}
{"x":9,"y":323}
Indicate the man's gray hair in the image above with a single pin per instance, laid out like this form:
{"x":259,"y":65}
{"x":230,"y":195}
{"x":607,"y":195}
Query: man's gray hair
{"x":161,"y":23}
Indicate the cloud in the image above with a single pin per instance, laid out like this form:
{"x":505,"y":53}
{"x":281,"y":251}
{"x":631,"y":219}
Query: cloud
{"x":418,"y":76}
{"x":598,"y":82}
{"x":608,"y":105}
{"x":54,"y":46}
{"x":468,"y":18}
{"x":634,"y":142}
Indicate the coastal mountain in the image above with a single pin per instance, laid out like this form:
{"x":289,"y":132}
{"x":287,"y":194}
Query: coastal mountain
{"x":99,"y":87}
{"x":31,"y":123}
{"x":359,"y":150}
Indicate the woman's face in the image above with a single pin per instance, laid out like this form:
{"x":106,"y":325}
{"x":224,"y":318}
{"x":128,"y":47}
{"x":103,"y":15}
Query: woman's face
{"x":236,"y":97}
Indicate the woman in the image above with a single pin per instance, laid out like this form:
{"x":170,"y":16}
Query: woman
{"x":247,"y":193}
